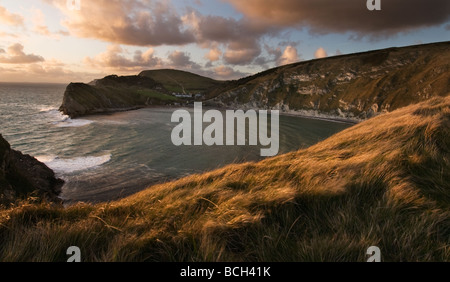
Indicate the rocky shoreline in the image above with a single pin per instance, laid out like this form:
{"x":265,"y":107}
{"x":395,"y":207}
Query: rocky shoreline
{"x":22,"y":176}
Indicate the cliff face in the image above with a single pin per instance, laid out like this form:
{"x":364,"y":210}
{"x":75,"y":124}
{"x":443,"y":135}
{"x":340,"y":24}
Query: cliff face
{"x":21,"y":175}
{"x":355,"y":87}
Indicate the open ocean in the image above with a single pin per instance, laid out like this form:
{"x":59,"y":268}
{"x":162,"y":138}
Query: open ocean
{"x":106,"y":157}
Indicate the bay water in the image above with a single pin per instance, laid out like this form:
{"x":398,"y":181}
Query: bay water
{"x":106,"y":157}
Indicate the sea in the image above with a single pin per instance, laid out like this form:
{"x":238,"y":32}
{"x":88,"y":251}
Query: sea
{"x":107,"y":157}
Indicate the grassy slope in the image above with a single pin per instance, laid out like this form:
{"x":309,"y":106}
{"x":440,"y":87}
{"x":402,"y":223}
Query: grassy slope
{"x":176,"y":80}
{"x":382,"y":182}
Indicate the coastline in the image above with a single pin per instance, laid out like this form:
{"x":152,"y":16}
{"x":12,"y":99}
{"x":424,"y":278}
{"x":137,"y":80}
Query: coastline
{"x":324,"y":118}
{"x":315,"y":115}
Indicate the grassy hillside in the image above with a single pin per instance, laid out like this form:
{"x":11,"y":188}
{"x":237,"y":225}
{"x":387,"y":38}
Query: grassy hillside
{"x":181,"y":81}
{"x":382,"y":182}
{"x":355,"y":86}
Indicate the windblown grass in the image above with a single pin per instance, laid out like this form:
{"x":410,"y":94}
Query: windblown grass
{"x":383,"y":182}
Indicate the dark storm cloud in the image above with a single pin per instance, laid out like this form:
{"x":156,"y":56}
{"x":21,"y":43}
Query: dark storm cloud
{"x":328,"y":16}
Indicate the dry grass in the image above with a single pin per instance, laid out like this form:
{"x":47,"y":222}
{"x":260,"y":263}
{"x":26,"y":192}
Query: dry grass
{"x":383,"y":182}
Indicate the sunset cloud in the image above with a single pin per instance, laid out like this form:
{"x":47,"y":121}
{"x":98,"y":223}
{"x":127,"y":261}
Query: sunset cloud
{"x":214,"y":54}
{"x":225,"y":73}
{"x":289,"y":56}
{"x":129,"y":22}
{"x":51,"y":70}
{"x":143,"y":23}
{"x":242,"y":52}
{"x":327,"y":16}
{"x":116,"y":58}
{"x":9,"y":18}
{"x":39,"y":23}
{"x":40,"y":27}
{"x":14,"y":55}
{"x":181,"y":59}
{"x":320,"y":53}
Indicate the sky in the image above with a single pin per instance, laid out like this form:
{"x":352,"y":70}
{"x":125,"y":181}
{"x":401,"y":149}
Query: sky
{"x":62,"y":41}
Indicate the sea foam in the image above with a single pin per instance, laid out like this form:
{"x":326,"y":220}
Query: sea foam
{"x":63,"y":166}
{"x":61,"y":120}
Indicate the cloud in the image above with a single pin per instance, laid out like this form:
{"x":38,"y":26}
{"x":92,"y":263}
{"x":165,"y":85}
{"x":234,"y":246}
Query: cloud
{"x":131,"y":22}
{"x":48,"y":71}
{"x":180,"y":59}
{"x":320,"y":53}
{"x":328,"y":16}
{"x":15,"y":55}
{"x":10,"y":18}
{"x":289,"y":56}
{"x":221,"y":29}
{"x":115,"y":58}
{"x":225,"y":73}
{"x":7,"y":34}
{"x":40,"y":27}
{"x":275,"y":53}
{"x":39,"y":23}
{"x":214,"y":54}
{"x":118,"y":59}
{"x":240,"y":37}
{"x":156,"y":23}
{"x":242,"y":52}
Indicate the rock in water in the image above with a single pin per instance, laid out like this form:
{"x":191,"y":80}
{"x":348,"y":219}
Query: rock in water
{"x":22,"y":175}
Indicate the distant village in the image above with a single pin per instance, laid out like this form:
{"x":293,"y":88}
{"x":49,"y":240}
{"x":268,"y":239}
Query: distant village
{"x":188,"y":95}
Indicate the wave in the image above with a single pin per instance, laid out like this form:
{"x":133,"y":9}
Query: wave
{"x":46,"y":109}
{"x":61,"y":120}
{"x":64,"y":166}
{"x":68,"y":122}
{"x":112,"y":122}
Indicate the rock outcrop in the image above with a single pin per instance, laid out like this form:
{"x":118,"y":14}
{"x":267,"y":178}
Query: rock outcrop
{"x":110,"y":94}
{"x":22,"y":175}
